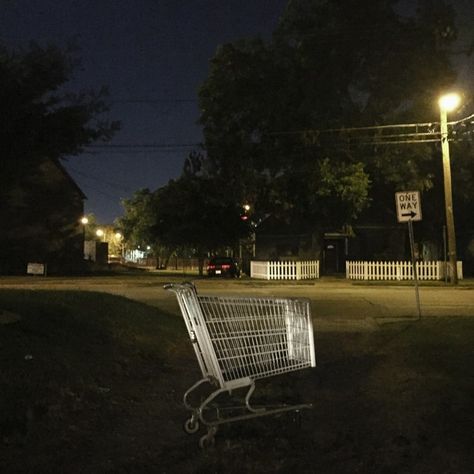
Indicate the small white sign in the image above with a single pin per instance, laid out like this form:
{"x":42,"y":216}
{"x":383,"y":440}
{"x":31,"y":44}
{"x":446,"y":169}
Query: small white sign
{"x":35,"y":269}
{"x":408,"y":206}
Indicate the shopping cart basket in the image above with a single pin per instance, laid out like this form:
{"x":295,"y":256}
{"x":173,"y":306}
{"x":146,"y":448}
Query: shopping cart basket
{"x":238,"y":340}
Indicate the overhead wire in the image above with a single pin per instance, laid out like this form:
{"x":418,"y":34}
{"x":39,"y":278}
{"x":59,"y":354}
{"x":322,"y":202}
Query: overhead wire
{"x":144,"y":145}
{"x":418,"y":136}
{"x":151,"y":101}
{"x":113,"y":185}
{"x":137,"y":148}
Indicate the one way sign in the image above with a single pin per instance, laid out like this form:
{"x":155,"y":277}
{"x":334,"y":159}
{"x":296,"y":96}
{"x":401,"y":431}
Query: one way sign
{"x":408,"y":206}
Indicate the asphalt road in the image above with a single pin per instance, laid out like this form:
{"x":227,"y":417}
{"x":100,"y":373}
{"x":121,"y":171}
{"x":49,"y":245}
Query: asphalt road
{"x":334,"y":302}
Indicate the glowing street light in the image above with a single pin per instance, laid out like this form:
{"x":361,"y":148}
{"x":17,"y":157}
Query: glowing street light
{"x":100,"y":233}
{"x":84,"y":221}
{"x":448,"y":103}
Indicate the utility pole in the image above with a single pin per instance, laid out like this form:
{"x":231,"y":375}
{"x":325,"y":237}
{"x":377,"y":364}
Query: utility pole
{"x":448,"y":195}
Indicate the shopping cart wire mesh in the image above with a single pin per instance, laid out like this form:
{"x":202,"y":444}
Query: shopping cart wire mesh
{"x":238,"y":340}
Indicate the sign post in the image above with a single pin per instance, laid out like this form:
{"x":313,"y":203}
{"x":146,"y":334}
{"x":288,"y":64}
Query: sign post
{"x":408,"y":205}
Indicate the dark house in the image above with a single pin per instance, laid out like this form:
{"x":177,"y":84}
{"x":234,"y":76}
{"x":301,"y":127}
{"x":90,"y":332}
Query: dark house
{"x":276,"y":240}
{"x":40,"y":222}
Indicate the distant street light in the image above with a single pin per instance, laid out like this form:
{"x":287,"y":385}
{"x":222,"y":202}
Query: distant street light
{"x":119,"y":237}
{"x":448,"y":103}
{"x":84,"y":222}
{"x":100,"y":233}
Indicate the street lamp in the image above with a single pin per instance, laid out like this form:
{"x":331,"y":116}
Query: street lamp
{"x":84,"y":221}
{"x":119,"y":239}
{"x":448,"y":103}
{"x":100,"y":233}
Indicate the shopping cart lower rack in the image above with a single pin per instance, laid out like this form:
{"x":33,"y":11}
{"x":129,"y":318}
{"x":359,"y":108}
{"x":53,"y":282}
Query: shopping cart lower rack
{"x":238,"y":340}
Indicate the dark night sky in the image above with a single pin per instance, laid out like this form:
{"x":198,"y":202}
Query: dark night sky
{"x":153,"y":55}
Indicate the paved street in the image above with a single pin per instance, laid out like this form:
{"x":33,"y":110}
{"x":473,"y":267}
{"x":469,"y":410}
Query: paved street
{"x":335,"y":302}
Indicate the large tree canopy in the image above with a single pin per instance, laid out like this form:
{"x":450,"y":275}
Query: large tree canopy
{"x":41,"y":122}
{"x":329,"y":65}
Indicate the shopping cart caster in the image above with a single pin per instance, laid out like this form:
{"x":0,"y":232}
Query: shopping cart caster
{"x":191,"y":426}
{"x":208,"y":440}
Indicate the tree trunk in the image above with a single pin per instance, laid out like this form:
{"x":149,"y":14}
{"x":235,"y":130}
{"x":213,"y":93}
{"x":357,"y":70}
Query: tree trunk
{"x":201,"y":264}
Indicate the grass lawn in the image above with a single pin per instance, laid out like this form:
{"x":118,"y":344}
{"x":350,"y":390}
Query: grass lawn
{"x":93,"y":383}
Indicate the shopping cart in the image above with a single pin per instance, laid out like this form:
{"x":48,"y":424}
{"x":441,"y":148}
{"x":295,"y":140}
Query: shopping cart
{"x":238,"y":340}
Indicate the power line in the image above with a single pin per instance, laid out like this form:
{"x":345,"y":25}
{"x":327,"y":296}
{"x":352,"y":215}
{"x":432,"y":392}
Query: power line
{"x":371,"y":127}
{"x":101,"y":191}
{"x":410,"y":133}
{"x":113,"y":185}
{"x":132,"y":151}
{"x":146,"y":145}
{"x":465,"y":119}
{"x":152,"y":101}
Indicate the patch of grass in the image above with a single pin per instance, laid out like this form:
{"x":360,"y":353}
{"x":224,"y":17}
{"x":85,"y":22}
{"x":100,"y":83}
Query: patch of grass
{"x":72,"y":359}
{"x":73,"y":319}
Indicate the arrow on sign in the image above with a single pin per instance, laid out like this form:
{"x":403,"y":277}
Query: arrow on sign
{"x":411,"y":214}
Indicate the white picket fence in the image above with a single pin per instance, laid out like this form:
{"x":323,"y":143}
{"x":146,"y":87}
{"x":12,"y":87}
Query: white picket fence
{"x":363,"y":270}
{"x":288,"y":270}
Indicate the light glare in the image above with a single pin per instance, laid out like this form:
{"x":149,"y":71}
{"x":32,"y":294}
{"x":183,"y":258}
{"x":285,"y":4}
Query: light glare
{"x":449,"y":102}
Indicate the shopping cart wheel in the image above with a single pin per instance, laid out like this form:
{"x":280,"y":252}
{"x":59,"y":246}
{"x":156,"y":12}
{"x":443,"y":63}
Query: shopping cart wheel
{"x":208,"y":440}
{"x":191,"y":426}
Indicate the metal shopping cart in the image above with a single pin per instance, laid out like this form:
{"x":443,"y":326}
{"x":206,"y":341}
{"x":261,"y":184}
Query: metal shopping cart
{"x":238,"y":340}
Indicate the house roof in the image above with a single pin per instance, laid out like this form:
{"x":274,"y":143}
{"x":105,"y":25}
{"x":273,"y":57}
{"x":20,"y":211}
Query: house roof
{"x":69,"y":178}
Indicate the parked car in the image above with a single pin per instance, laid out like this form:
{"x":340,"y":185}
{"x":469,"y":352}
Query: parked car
{"x":223,"y":266}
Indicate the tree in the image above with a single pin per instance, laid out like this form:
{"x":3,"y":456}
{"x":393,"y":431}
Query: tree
{"x":40,"y":119}
{"x":193,"y":212}
{"x":329,"y":65}
{"x":198,"y":212}
{"x":41,"y":123}
{"x":138,"y":219}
